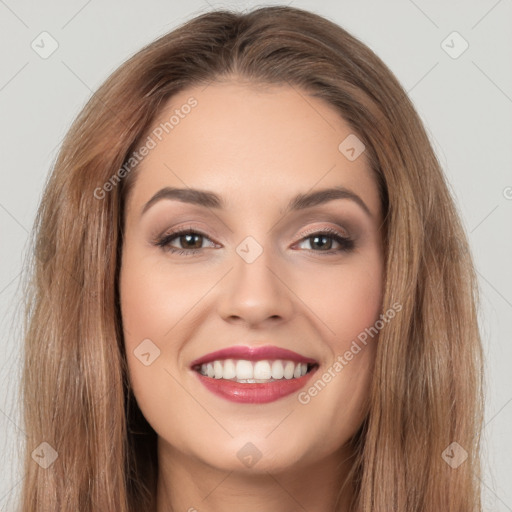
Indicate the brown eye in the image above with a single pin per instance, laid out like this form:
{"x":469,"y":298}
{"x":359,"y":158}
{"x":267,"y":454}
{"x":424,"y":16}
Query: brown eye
{"x":190,"y":241}
{"x":323,"y":242}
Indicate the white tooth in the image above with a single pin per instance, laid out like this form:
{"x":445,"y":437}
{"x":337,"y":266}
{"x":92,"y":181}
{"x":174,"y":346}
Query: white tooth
{"x":217,"y":368}
{"x":262,"y":370}
{"x":249,"y":371}
{"x":244,"y":369}
{"x":277,"y":370}
{"x":229,"y":369}
{"x":288,"y":369}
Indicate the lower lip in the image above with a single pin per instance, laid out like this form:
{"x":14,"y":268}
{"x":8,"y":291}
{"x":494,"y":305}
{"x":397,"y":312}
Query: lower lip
{"x":254,"y":393}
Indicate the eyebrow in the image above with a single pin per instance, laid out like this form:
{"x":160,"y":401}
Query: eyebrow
{"x":211,"y":200}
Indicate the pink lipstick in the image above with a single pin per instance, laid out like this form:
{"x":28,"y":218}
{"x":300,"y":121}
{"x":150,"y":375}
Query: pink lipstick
{"x":253,"y":374}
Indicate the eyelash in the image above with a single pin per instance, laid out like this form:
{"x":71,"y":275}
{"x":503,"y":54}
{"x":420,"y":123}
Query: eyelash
{"x":347,"y":244}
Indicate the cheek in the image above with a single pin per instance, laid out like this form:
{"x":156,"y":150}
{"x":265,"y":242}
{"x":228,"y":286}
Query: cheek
{"x":145,"y":314}
{"x":150,"y":306}
{"x":155,"y":300}
{"x":356,"y":302}
{"x":346,"y":299}
{"x":145,"y":297}
{"x":159,"y":304}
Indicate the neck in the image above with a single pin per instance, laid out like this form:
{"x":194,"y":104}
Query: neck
{"x":187,"y":484}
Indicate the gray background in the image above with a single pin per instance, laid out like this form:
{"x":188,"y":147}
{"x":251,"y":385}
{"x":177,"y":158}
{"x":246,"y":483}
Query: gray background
{"x":465,"y":103}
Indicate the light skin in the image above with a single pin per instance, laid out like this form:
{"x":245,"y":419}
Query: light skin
{"x":257,"y":148}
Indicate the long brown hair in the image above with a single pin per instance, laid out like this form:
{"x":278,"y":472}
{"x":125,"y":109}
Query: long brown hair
{"x":426,"y":391}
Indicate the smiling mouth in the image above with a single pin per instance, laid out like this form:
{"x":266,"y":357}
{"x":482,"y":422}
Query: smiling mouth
{"x":263,"y":371}
{"x":254,"y":375}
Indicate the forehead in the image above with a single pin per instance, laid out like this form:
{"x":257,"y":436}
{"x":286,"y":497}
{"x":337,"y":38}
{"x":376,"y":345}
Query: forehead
{"x":250,"y":143}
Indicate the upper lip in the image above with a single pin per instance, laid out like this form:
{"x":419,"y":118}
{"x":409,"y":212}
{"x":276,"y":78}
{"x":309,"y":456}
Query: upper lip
{"x":252,"y":354}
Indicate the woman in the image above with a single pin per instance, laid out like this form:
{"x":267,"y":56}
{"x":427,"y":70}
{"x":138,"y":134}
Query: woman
{"x":195,"y":341}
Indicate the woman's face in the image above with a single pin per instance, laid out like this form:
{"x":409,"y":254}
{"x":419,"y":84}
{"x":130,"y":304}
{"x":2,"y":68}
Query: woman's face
{"x":254,"y":267}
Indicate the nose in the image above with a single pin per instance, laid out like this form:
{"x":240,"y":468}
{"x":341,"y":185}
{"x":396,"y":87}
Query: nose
{"x":256,"y":293}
